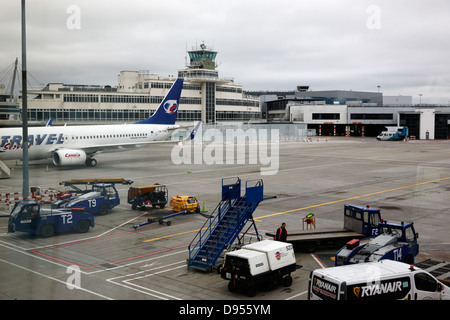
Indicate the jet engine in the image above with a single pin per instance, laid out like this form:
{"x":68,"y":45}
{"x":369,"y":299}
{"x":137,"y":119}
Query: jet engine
{"x":67,"y":157}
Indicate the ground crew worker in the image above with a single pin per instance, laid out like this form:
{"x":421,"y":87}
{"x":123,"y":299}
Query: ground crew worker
{"x":281,"y":234}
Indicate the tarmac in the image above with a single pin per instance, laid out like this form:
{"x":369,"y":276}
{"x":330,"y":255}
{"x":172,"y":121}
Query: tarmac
{"x":408,"y":181}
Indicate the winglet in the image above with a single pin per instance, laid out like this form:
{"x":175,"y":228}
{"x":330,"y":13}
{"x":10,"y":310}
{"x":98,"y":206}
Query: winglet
{"x":193,"y":132}
{"x":167,"y":110}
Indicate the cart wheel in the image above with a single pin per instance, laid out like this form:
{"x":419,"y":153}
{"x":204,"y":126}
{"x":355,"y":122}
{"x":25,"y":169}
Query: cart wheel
{"x":83,"y":226}
{"x":134,"y":206}
{"x":162,"y":206}
{"x":168,"y":223}
{"x":47,"y":230}
{"x":287,"y":281}
{"x":251,"y":291}
{"x":232,"y":285}
{"x":161,"y":221}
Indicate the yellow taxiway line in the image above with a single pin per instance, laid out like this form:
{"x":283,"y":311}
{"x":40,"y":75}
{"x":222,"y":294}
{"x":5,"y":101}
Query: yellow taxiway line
{"x":352,"y":198}
{"x":310,"y":207}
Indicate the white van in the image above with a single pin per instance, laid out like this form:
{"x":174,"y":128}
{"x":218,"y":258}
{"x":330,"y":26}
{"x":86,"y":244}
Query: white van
{"x":382,"y":280}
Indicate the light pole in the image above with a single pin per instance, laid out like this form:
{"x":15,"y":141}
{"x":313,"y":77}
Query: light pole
{"x":26,"y":180}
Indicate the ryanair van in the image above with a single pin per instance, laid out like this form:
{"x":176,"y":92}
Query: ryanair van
{"x":382,"y":280}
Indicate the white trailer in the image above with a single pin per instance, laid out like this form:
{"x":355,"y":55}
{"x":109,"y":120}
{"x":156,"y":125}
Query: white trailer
{"x":262,"y":263}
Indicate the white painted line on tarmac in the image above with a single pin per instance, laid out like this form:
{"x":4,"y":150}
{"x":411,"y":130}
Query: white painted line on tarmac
{"x":318,"y":260}
{"x":154,"y":293}
{"x":57,"y":280}
{"x":297,"y":295}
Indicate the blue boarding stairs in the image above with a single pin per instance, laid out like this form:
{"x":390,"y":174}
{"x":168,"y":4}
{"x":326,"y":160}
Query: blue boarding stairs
{"x":231,"y":216}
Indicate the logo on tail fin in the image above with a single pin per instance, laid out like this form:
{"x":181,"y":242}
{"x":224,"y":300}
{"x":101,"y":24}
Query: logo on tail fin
{"x":170,"y":106}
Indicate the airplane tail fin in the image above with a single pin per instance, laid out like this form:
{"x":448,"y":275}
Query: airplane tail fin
{"x":167,"y":110}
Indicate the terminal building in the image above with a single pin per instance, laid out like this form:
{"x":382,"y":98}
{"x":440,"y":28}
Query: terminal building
{"x":354,"y":113}
{"x":205,"y":96}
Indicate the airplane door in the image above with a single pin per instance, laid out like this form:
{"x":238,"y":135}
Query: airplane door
{"x":426,"y":287}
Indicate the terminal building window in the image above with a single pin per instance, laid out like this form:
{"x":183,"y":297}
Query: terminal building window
{"x":237,"y":102}
{"x":236,"y":115}
{"x":210,"y":100}
{"x":326,"y":116}
{"x":371,"y":116}
{"x":229,"y":89}
{"x":102,"y":115}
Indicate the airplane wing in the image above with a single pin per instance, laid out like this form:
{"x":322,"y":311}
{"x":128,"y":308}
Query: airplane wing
{"x":90,"y":150}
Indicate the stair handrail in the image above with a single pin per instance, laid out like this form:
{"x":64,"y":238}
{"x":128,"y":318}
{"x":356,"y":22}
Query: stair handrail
{"x":230,"y":234}
{"x":224,"y":204}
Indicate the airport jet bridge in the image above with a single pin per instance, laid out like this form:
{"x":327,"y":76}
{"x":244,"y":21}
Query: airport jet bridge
{"x":231,"y":216}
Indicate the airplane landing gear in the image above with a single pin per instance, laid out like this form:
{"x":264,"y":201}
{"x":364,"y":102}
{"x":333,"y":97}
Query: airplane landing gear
{"x":91,"y":162}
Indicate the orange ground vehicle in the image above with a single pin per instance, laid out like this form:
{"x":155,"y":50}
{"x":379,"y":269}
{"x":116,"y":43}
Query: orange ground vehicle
{"x":154,"y":195}
{"x":180,"y":203}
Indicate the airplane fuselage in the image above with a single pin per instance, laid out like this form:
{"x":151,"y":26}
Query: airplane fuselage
{"x":44,"y":141}
{"x":77,"y":145}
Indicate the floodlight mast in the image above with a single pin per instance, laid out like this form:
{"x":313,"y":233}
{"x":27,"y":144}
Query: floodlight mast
{"x":25,"y":143}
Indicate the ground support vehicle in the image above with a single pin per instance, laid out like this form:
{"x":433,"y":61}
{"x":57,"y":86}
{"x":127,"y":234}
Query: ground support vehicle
{"x":76,"y":190}
{"x":359,"y":222}
{"x":396,"y":241}
{"x":142,"y":196}
{"x":394,"y":134}
{"x":29,"y":216}
{"x":181,"y":203}
{"x":100,"y":200}
{"x":264,"y":263}
{"x":381,"y":280}
{"x":160,"y":220}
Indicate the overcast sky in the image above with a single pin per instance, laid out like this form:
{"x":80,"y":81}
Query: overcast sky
{"x":402,"y":46}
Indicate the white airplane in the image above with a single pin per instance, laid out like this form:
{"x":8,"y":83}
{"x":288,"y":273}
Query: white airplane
{"x":77,"y":145}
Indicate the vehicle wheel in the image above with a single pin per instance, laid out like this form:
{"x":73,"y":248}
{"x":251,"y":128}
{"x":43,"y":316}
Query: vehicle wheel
{"x":47,"y":230}
{"x":162,"y":206}
{"x":197,"y":210}
{"x":287,"y":281}
{"x":83,"y":226}
{"x":134,"y":206}
{"x":271,"y":284}
{"x":104,"y":209}
{"x":251,"y":292}
{"x":232,"y":285}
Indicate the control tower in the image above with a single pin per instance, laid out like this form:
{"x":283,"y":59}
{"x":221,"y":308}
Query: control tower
{"x":203,"y":58}
{"x":201,"y":70}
